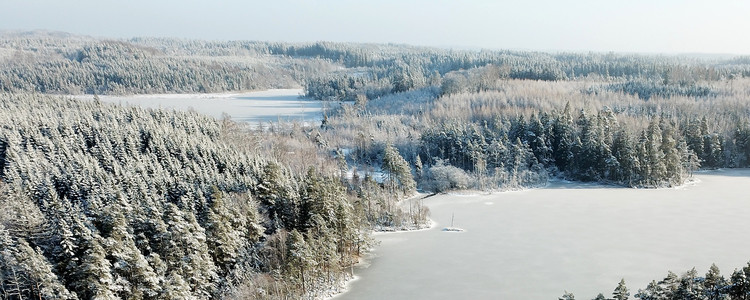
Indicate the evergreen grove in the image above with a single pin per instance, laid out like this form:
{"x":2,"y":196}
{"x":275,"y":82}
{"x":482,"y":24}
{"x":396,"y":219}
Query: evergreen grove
{"x":107,"y":202}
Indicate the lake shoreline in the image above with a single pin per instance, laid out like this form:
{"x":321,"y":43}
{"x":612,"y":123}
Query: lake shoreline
{"x":595,"y":216}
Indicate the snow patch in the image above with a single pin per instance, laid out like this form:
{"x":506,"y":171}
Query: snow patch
{"x":391,"y":230}
{"x":341,"y":289}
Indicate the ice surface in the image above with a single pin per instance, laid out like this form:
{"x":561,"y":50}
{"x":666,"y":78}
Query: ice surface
{"x":577,"y":237}
{"x":252,"y":107}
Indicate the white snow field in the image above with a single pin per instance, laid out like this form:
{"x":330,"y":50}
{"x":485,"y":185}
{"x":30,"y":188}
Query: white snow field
{"x":584,"y":238}
{"x":251,"y":107}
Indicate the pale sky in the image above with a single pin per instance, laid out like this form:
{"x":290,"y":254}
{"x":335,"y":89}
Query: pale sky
{"x":650,"y":26}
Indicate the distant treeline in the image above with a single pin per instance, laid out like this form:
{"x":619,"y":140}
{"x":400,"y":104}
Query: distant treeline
{"x":68,"y":64}
{"x":712,"y":286}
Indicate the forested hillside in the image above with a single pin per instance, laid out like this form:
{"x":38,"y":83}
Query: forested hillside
{"x":64,"y":64}
{"x":106,"y":202}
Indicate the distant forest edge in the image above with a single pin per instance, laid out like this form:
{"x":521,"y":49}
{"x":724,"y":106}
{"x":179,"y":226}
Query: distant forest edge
{"x":60,"y":63}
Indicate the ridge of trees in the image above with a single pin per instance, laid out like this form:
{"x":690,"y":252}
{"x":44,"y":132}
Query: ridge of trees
{"x":69,"y":64}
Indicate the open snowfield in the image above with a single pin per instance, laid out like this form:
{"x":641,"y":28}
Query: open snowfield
{"x":252,"y":107}
{"x":583,"y":238}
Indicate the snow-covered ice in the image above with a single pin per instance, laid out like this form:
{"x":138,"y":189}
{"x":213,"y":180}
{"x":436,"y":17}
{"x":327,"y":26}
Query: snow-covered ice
{"x":251,"y":107}
{"x":574,"y":237}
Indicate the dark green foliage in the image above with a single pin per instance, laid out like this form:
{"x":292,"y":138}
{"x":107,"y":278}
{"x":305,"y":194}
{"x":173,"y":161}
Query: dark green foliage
{"x":589,"y":150}
{"x":739,"y":284}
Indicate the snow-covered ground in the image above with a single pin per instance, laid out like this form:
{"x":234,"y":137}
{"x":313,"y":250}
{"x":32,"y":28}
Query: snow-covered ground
{"x":582,"y":238}
{"x":252,"y":107}
{"x":375,"y":172}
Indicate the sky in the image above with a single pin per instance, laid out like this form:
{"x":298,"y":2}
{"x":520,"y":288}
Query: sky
{"x":640,"y":26}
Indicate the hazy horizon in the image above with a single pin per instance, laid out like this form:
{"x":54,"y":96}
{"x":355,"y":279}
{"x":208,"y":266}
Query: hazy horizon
{"x":668,"y":27}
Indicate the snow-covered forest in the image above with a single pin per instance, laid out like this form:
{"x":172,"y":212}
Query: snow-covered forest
{"x":109,"y":202}
{"x":105,"y":201}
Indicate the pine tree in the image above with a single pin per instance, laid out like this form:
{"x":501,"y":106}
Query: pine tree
{"x":669,"y":285}
{"x":694,"y":132}
{"x":398,"y":170}
{"x":627,"y":167}
{"x":25,"y":273}
{"x":587,"y":153}
{"x":655,"y":155}
{"x":44,"y":282}
{"x":93,"y":278}
{"x":712,"y":149}
{"x":652,"y":292}
{"x":133,"y":276}
{"x":739,"y":284}
{"x":275,"y":191}
{"x":741,"y":136}
{"x":714,"y":284}
{"x":689,"y":286}
{"x":538,"y":140}
{"x":672,"y":155}
{"x":185,"y":251}
{"x":621,"y":291}
{"x":418,"y":168}
{"x":224,"y":233}
{"x":563,"y":139}
{"x":567,"y":296}
{"x":176,"y":288}
{"x":300,"y":257}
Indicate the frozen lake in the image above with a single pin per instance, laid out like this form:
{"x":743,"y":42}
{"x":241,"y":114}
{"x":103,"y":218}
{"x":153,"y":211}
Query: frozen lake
{"x":582,"y":238}
{"x":252,"y":107}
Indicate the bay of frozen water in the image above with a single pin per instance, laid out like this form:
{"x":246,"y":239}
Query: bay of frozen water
{"x":583,"y":238}
{"x":251,"y":107}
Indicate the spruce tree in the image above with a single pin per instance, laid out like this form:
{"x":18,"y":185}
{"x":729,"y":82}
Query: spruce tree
{"x":714,"y":284}
{"x":621,"y":291}
{"x":567,"y":296}
{"x":398,"y":170}
{"x":739,"y":284}
{"x":652,"y":292}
